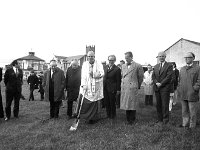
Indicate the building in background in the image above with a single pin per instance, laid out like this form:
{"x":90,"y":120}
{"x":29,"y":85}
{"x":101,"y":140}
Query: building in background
{"x":31,"y":62}
{"x":175,"y":53}
{"x":64,"y":62}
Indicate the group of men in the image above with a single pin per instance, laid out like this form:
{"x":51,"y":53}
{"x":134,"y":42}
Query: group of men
{"x":94,"y":82}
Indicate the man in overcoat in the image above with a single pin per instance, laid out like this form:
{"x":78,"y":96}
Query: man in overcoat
{"x":112,"y":85}
{"x":1,"y":103}
{"x":188,"y":91}
{"x":162,"y":84}
{"x":13,"y":79}
{"x":33,"y":83}
{"x":54,"y":84}
{"x":72,"y":82}
{"x":132,"y":77}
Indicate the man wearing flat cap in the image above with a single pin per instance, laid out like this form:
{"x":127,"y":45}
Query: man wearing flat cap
{"x":188,"y":91}
{"x":162,"y":84}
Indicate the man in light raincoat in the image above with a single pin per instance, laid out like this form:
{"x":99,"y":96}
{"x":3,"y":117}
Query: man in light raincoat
{"x":132,"y":77}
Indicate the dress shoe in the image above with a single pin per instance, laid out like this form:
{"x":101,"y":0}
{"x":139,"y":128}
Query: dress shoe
{"x":185,"y":127}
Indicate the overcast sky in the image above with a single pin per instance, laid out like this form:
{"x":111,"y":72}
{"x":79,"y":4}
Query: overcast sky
{"x":65,"y":27}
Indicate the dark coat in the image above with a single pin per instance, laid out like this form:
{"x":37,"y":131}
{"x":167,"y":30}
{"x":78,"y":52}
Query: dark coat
{"x":59,"y":84}
{"x":112,"y":79}
{"x":12,"y":80}
{"x":73,"y":82}
{"x":189,"y":83}
{"x":164,"y":77}
{"x":33,"y":81}
{"x":0,"y":74}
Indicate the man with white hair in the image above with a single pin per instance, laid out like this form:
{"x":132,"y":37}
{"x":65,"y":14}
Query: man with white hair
{"x":54,"y":84}
{"x":92,"y":88}
{"x":72,"y":82}
{"x":162,"y":84}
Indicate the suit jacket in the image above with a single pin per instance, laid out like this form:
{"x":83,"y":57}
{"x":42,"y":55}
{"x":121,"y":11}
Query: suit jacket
{"x":12,"y":80}
{"x":59,"y":84}
{"x":112,"y":79}
{"x":164,"y":77}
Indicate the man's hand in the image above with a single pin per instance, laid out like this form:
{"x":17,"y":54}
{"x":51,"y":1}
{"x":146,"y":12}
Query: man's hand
{"x":158,"y":84}
{"x":118,"y":92}
{"x":97,"y":75}
{"x":84,"y":87}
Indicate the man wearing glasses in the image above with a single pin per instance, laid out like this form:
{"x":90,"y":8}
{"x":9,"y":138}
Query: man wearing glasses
{"x":188,"y":91}
{"x":112,"y":81}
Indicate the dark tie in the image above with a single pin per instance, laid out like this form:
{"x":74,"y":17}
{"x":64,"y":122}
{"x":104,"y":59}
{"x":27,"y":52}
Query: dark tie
{"x":160,"y":68}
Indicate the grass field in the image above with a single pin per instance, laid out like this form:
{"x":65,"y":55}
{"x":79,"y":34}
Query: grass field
{"x":33,"y":130}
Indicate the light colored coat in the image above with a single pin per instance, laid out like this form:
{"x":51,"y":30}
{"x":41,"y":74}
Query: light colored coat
{"x":59,"y":84}
{"x":86,"y":80}
{"x":189,"y":83}
{"x":132,"y":78}
{"x":148,"y":83}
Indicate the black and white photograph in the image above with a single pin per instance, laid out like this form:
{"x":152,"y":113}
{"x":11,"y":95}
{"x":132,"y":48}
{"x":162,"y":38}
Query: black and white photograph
{"x":99,"y":75}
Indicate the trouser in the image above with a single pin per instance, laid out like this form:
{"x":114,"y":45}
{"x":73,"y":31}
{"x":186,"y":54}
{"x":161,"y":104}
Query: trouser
{"x":149,"y":100}
{"x":118,"y":100}
{"x":110,"y":101}
{"x":31,"y":93}
{"x":130,"y":115}
{"x":69,"y":108}
{"x":42,"y":95}
{"x":162,"y":99}
{"x":189,"y":113}
{"x":1,"y":105}
{"x":10,"y":95}
{"x":54,"y":109}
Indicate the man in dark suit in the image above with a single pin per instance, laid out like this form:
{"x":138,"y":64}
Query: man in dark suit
{"x":112,"y":82}
{"x":54,"y":84}
{"x":1,"y":104}
{"x":162,"y":83}
{"x":33,"y":82}
{"x":13,"y":79}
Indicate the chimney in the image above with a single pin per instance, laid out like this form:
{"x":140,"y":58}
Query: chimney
{"x":31,"y":53}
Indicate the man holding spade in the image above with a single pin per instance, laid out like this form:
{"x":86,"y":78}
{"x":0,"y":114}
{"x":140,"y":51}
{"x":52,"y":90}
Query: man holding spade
{"x":91,"y":91}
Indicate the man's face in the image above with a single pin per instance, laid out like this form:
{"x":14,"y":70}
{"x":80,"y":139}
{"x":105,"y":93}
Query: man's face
{"x":91,"y":57}
{"x":74,"y":65}
{"x":149,"y":68}
{"x":111,"y":60}
{"x":189,"y":60}
{"x":128,"y":58}
{"x":161,"y":57}
{"x":53,"y":65}
{"x":17,"y":65}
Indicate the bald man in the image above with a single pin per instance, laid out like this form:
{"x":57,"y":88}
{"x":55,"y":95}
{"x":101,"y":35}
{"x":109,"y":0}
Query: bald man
{"x":72,"y":82}
{"x":162,"y":82}
{"x":54,"y":84}
{"x":92,"y":85}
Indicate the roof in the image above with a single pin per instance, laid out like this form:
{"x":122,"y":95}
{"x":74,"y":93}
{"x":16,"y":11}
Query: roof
{"x":60,"y":57}
{"x":197,"y":43}
{"x":30,"y":57}
{"x":69,"y":59}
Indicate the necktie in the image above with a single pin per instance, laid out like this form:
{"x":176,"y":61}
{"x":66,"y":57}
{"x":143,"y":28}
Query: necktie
{"x":160,"y":68}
